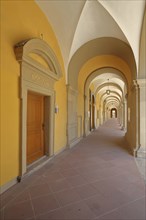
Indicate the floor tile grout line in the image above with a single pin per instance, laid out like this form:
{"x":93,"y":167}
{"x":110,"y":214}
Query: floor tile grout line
{"x":15,"y":198}
{"x":73,"y":187}
{"x":120,"y":207}
{"x":53,"y":192}
{"x":32,"y":207}
{"x":2,"y":214}
{"x":89,"y":207}
{"x":81,"y":198}
{"x":84,"y":200}
{"x":58,"y":202}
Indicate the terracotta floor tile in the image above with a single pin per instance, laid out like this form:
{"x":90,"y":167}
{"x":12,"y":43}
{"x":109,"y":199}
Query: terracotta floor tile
{"x":19,"y":211}
{"x":1,"y":214}
{"x":96,"y":179}
{"x":69,"y":172}
{"x":60,"y":185}
{"x":4,"y":200}
{"x":101,"y":204}
{"x":67,"y":197}
{"x":44,"y":204}
{"x":22,"y":197}
{"x":104,"y":187}
{"x":39,"y":190}
{"x":40,"y":180}
{"x":52,"y":176}
{"x":135,"y":210}
{"x":134,"y":192}
{"x":76,"y":180}
{"x":86,"y":191}
{"x":78,"y":211}
{"x":56,"y":214}
{"x":115,"y":215}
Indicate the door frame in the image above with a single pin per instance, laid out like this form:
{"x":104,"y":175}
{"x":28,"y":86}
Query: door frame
{"x":49,"y":130}
{"x":35,"y":77}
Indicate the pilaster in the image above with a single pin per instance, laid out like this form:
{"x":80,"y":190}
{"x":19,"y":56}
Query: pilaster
{"x":141,"y":152}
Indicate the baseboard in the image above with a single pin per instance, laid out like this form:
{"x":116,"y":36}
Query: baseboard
{"x":74,"y":142}
{"x":141,"y":154}
{"x":8,"y":185}
{"x":60,"y":151}
{"x":37,"y":165}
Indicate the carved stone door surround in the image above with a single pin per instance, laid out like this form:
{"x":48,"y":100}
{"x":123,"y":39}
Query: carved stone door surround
{"x":39,"y":70}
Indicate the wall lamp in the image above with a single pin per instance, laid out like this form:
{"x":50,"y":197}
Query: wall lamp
{"x":108,"y":90}
{"x":56,"y":109}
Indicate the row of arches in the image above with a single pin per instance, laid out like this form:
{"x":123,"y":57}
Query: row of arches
{"x":102,"y":94}
{"x":39,"y":72}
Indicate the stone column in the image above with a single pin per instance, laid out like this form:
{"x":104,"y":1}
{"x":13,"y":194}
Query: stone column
{"x":137,"y":117}
{"x":141,"y":99}
{"x":125,"y":115}
{"x":100,"y":115}
{"x":104,"y":111}
{"x":122,"y":115}
{"x":86,"y":116}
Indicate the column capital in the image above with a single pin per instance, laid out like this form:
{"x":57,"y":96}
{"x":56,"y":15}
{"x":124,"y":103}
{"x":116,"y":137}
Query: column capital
{"x":135,"y":85}
{"x":139,"y":83}
{"x":71,"y":90}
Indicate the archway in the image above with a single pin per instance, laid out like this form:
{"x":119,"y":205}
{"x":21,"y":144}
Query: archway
{"x":113,"y":113}
{"x":118,"y":86}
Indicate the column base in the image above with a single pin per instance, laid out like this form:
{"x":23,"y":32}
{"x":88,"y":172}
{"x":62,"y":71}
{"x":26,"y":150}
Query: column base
{"x":140,"y":153}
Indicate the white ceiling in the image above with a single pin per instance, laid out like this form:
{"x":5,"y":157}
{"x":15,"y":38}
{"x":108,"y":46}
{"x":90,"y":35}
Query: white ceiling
{"x":108,"y":78}
{"x":94,"y":23}
{"x":63,"y":16}
{"x":78,"y":22}
{"x":129,"y":17}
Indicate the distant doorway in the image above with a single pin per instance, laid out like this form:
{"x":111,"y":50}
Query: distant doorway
{"x":113,"y":113}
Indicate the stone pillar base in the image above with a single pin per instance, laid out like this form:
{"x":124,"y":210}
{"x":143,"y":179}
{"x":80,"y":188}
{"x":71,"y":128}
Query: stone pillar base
{"x":141,"y":152}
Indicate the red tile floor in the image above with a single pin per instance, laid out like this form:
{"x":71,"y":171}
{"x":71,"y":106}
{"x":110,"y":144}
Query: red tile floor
{"x":96,"y":179}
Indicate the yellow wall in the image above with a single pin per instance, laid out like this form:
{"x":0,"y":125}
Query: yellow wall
{"x":92,"y":87}
{"x":22,"y":20}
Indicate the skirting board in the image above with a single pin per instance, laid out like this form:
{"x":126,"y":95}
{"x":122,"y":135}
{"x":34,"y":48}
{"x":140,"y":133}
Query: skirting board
{"x":60,"y":151}
{"x":141,"y":154}
{"x":76,"y":141}
{"x":8,"y":185}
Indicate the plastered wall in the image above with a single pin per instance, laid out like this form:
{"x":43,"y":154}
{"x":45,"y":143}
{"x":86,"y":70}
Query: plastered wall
{"x":22,"y":20}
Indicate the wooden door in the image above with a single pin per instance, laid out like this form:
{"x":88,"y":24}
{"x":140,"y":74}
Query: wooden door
{"x":35,"y":127}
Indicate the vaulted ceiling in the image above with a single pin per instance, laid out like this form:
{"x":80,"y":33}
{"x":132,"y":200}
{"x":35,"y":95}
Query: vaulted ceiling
{"x":77,"y":23}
